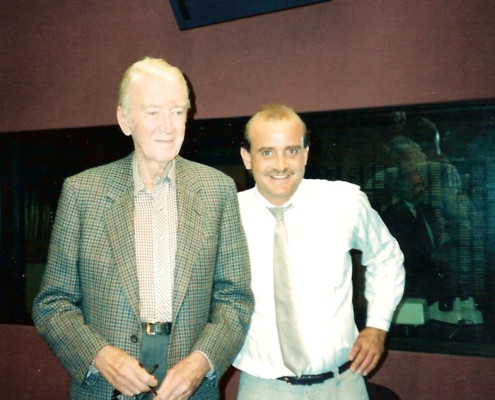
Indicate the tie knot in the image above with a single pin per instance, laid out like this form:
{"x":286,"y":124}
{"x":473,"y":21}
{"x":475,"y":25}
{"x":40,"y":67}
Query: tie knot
{"x":278,"y":212}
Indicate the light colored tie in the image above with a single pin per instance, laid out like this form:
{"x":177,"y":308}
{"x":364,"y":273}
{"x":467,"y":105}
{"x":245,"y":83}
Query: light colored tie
{"x":291,"y":344}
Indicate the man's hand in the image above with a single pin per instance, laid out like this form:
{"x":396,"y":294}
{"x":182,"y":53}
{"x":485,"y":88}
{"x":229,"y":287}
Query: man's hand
{"x":183,"y":379}
{"x":367,"y":350}
{"x":123,"y":372}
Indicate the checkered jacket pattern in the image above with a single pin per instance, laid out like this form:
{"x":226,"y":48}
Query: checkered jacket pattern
{"x":89,"y":295}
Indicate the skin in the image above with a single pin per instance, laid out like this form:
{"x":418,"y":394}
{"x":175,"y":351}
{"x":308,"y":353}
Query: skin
{"x":415,"y":190}
{"x":156,"y":121}
{"x":277,"y":160}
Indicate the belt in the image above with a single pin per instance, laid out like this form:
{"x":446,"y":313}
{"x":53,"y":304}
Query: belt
{"x":311,"y":379}
{"x":159,"y":327}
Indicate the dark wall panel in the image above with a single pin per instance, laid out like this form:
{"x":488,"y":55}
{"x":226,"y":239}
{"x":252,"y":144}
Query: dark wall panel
{"x":196,"y":13}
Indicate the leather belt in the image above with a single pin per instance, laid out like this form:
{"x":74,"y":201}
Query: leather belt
{"x":312,"y":379}
{"x":159,"y":327}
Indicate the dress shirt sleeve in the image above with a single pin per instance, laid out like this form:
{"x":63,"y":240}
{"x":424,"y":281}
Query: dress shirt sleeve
{"x":211,"y":372}
{"x":383,"y":259}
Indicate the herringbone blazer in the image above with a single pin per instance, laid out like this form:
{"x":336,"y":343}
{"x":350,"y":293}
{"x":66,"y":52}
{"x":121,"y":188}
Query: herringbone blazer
{"x":89,"y":295}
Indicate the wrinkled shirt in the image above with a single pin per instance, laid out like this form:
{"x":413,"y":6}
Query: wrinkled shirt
{"x":325,"y":221}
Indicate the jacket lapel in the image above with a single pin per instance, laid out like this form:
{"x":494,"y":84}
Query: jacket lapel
{"x":119,"y":218}
{"x":190,"y":213}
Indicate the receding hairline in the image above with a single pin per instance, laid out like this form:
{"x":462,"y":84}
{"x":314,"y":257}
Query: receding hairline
{"x":274,"y":112}
{"x":149,"y":67}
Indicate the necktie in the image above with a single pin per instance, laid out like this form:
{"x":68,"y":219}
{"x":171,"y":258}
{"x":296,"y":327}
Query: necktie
{"x":291,"y":345}
{"x":425,"y":227}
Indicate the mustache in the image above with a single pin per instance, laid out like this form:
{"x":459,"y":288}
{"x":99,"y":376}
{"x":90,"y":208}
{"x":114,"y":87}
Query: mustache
{"x":276,"y":171}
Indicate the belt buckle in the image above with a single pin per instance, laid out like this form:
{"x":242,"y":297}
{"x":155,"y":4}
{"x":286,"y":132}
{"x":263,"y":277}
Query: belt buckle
{"x":148,"y":329}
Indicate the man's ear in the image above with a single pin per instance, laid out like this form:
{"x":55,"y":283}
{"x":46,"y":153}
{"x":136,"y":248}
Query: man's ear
{"x":122,"y":120}
{"x":246,"y":158}
{"x":306,"y":152}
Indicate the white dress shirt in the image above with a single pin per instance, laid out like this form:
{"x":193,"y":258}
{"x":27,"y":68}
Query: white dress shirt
{"x":326,"y":220}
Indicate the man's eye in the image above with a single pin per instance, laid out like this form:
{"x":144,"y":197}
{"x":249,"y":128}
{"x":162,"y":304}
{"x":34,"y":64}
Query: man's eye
{"x":266,"y":153}
{"x":177,"y":112}
{"x":293,"y":151}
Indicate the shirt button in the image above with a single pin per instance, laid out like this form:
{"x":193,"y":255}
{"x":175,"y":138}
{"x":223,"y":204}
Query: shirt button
{"x":134,"y":339}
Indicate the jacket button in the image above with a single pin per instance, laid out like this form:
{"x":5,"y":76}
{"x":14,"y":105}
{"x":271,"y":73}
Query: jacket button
{"x":134,"y":339}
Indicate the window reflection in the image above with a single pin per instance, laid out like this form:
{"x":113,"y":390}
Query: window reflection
{"x":421,"y":236}
{"x":444,"y":154}
{"x":429,"y":171}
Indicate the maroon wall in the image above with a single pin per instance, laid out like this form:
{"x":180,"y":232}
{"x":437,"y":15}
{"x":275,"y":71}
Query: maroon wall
{"x":60,"y":62}
{"x":436,"y":376}
{"x":28,"y":370}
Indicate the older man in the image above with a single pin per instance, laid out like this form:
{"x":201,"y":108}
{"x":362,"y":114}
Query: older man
{"x":148,"y":265}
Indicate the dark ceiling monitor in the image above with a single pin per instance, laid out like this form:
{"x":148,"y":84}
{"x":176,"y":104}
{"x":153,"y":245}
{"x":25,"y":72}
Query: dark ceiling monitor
{"x":195,"y":13}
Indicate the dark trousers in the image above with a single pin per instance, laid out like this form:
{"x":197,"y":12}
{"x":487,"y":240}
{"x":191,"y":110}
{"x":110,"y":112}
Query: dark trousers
{"x":154,"y":351}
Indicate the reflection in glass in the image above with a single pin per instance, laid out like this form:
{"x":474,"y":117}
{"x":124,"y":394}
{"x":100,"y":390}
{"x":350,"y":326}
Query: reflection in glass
{"x":446,"y":154}
{"x":450,"y":146}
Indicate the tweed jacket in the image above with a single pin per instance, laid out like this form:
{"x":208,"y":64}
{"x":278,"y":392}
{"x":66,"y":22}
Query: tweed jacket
{"x":90,"y":296}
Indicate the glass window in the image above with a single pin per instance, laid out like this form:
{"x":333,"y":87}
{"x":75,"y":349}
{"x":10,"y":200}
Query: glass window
{"x":429,"y":170}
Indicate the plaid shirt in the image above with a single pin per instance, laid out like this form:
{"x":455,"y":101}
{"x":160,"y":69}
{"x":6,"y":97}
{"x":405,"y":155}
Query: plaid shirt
{"x":155,"y":232}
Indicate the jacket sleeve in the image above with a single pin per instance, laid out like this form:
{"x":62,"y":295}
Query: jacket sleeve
{"x":57,"y":311}
{"x":232,"y":300}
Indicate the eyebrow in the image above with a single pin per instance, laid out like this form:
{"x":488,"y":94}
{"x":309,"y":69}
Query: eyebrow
{"x":264,"y":148}
{"x":145,"y":106}
{"x":153,"y":105}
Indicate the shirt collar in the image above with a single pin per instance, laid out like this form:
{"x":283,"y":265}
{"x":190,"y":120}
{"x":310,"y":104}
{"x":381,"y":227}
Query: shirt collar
{"x":263,"y":202}
{"x":138,"y":181}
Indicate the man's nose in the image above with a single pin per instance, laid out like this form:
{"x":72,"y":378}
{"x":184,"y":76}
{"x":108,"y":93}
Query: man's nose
{"x":280,"y":162}
{"x":166,"y":122}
